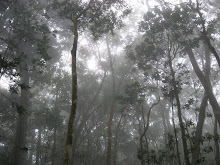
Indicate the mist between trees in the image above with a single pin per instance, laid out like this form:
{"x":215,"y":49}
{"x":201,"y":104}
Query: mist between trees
{"x":109,"y":82}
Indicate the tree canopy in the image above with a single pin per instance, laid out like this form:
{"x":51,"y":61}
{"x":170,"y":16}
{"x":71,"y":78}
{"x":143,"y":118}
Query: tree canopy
{"x":109,"y":82}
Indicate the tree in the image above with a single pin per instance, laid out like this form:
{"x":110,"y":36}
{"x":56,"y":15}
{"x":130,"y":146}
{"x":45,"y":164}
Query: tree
{"x":25,"y":43}
{"x":84,"y":16}
{"x":174,"y":31}
{"x":201,"y":117}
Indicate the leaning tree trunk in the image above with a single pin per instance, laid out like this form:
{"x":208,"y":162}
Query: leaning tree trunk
{"x":206,"y":85}
{"x":21,"y":149}
{"x":176,"y":96}
{"x":201,"y":118}
{"x":205,"y":33}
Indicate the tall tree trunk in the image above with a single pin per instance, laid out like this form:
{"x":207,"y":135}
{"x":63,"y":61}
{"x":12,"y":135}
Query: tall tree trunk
{"x":21,"y":149}
{"x":54,"y":146}
{"x":217,"y":153}
{"x":146,"y":129}
{"x":38,"y":152}
{"x":69,"y":140}
{"x":206,"y":85}
{"x":141,"y":152}
{"x":85,"y":118}
{"x":112,"y":109}
{"x":89,"y":148}
{"x":147,"y":151}
{"x":175,"y":135}
{"x":201,"y":118}
{"x":56,"y":115}
{"x":205,"y":33}
{"x":166,"y":119}
{"x":116,"y":140}
{"x":176,"y":96}
{"x":109,"y":139}
{"x":68,"y":147}
{"x":198,"y":134}
{"x":31,"y":153}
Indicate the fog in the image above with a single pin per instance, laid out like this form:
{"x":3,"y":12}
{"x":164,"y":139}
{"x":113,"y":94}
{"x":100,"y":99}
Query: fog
{"x":103,"y":82}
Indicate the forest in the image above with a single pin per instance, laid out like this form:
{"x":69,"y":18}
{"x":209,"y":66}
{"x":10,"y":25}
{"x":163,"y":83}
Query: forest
{"x":109,"y":82}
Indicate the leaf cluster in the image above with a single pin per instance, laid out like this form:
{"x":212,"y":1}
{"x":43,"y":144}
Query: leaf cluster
{"x":24,"y":36}
{"x":99,"y":17}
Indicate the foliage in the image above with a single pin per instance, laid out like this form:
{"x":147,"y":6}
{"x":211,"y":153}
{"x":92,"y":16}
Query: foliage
{"x":40,"y":32}
{"x":100,"y":17}
{"x":24,"y":36}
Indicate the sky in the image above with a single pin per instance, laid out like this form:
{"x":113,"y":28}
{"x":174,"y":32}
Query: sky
{"x":91,"y":63}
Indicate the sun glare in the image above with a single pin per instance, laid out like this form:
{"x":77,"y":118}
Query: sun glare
{"x":4,"y":83}
{"x":92,"y":64}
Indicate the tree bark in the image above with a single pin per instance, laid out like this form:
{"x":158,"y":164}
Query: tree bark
{"x":176,"y":96}
{"x":205,"y":34}
{"x":69,"y":141}
{"x":54,"y":146}
{"x":38,"y":152}
{"x":206,"y":85}
{"x":112,"y":109}
{"x":116,"y":140}
{"x":199,"y":127}
{"x":175,"y":135}
{"x":21,"y":149}
{"x":201,"y":118}
{"x":56,"y":115}
{"x":217,"y":153}
{"x":146,"y":129}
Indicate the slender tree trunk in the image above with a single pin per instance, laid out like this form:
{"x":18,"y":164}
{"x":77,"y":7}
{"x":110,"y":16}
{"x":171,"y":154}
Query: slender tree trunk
{"x":147,"y":151}
{"x":44,"y":152}
{"x":56,"y":115}
{"x":164,"y":126}
{"x":146,"y":129}
{"x":116,"y":140}
{"x":167,"y":117}
{"x":85,"y":118}
{"x":175,"y":135}
{"x":142,"y":152}
{"x":109,"y":140}
{"x":176,"y":96}
{"x":69,"y":140}
{"x":206,"y":85}
{"x":112,"y":109}
{"x":217,"y":153}
{"x":141,"y":134}
{"x":115,"y":148}
{"x":38,"y":152}
{"x":88,"y":158}
{"x":31,"y":153}
{"x":21,"y":149}
{"x":54,"y":145}
{"x":205,"y":33}
{"x":68,"y":147}
{"x":198,"y":134}
{"x":105,"y":150}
